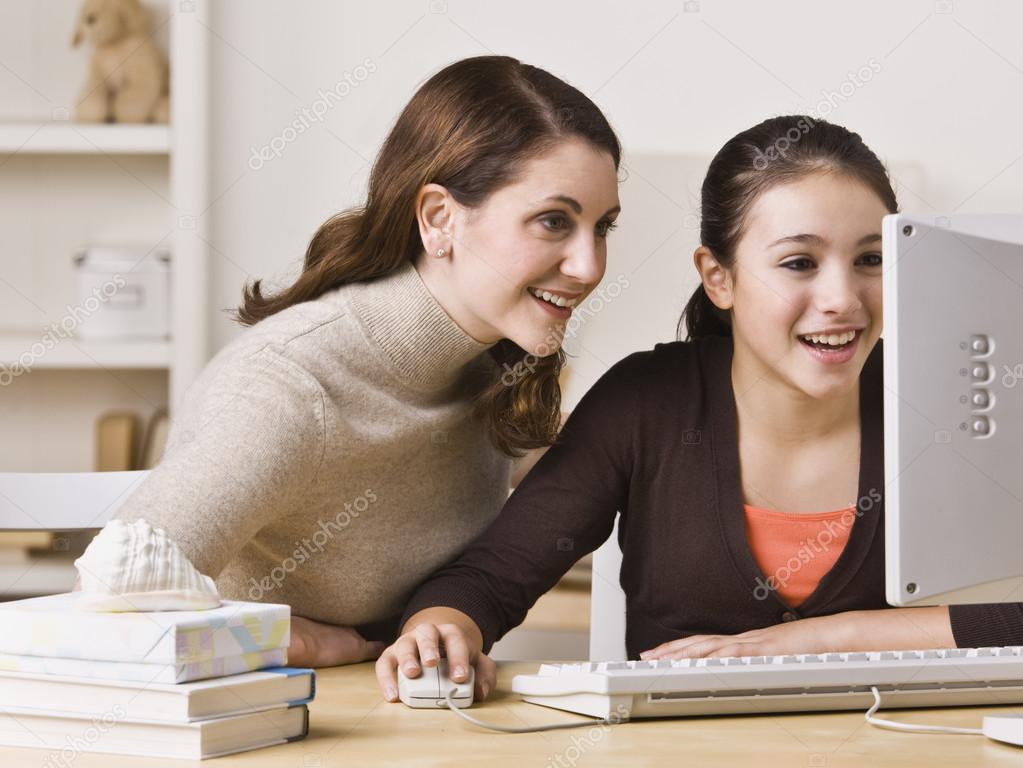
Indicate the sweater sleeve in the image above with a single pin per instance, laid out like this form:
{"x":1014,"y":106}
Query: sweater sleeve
{"x":562,"y":510}
{"x":988,"y":625}
{"x":247,"y":443}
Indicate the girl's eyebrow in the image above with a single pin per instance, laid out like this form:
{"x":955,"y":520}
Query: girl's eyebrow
{"x":806,"y":238}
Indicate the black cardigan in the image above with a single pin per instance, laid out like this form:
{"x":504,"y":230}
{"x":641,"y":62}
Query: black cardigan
{"x":656,"y":440}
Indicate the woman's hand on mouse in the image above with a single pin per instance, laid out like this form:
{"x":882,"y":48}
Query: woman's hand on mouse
{"x":425,"y":638}
{"x":314,"y":644}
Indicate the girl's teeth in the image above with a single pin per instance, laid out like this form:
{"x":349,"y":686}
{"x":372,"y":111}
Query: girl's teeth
{"x":833,"y":340}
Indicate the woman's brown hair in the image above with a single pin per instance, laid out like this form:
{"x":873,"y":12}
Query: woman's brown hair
{"x":776,"y":151}
{"x":469,"y":128}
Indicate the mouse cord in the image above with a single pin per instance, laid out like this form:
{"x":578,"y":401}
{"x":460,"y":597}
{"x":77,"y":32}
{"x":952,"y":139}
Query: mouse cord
{"x":880,"y":723}
{"x":528,"y":728}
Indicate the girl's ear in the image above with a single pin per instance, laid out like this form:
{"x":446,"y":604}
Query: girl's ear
{"x":435,"y":215}
{"x":717,"y":281}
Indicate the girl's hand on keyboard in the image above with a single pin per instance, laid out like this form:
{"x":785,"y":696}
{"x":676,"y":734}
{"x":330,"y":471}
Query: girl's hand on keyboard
{"x":821,"y":634}
{"x":426,"y":635}
{"x":886,"y":629}
{"x":314,"y":644}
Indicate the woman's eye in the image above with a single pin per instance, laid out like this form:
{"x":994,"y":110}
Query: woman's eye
{"x":555,"y":222}
{"x":872,"y":259}
{"x":605,"y":227}
{"x":798,"y":265}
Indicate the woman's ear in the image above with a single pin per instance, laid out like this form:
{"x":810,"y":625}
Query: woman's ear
{"x":717,"y":281}
{"x":435,"y":214}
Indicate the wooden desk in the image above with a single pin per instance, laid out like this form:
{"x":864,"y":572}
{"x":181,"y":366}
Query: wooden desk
{"x":352,"y":726}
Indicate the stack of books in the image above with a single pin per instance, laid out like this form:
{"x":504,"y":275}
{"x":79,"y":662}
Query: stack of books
{"x":186,"y":684}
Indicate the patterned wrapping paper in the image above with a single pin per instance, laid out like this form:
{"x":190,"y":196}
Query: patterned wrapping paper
{"x":145,"y":673}
{"x":52,"y":626}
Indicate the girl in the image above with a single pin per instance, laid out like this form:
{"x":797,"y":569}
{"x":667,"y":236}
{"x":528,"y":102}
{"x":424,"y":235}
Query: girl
{"x":359,"y":433}
{"x":746,"y":462}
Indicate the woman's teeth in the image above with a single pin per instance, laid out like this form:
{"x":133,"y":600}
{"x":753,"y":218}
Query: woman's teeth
{"x":557,"y":301}
{"x":832,"y":340}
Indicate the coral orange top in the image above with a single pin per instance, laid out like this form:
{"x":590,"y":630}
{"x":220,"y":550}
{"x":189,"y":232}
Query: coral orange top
{"x":794,"y":550}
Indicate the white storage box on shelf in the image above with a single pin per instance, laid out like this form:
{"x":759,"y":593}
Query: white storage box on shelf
{"x":123,"y":293}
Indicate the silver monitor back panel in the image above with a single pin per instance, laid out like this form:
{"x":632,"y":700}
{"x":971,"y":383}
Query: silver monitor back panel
{"x":953,"y":370}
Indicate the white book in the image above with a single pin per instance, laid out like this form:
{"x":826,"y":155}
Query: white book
{"x":221,"y":666}
{"x":187,"y":702}
{"x":58,"y":732}
{"x":55,"y":626}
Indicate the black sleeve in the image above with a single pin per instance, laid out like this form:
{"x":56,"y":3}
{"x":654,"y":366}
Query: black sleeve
{"x":989,"y":625}
{"x":563,"y":510}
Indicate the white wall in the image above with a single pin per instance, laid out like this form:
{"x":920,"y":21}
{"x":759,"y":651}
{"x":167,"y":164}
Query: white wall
{"x":940,"y":100}
{"x":942,"y":104}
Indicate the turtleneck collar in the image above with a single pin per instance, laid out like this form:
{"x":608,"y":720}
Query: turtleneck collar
{"x":426,"y":347}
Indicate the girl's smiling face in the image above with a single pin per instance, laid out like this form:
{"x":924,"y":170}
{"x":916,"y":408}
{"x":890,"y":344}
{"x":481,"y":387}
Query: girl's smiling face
{"x":808,"y":264}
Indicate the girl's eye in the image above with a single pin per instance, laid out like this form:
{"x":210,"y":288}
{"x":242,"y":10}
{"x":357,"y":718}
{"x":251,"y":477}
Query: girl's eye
{"x":605,"y":227}
{"x":798,"y":265}
{"x":555,"y":222}
{"x":873,"y":259}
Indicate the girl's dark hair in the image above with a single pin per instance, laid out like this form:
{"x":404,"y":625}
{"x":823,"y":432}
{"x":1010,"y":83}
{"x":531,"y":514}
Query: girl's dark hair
{"x":469,"y":128}
{"x":776,"y":151}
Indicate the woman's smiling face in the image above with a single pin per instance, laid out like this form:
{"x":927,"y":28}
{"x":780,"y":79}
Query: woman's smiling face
{"x":544,"y":233}
{"x":809,"y":265}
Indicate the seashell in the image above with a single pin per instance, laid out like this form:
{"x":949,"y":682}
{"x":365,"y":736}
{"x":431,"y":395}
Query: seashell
{"x":135,"y":567}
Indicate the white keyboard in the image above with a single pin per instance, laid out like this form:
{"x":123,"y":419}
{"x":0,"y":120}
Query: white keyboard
{"x":807,"y":682}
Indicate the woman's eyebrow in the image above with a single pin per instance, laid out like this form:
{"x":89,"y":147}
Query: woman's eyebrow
{"x":574,"y":204}
{"x":806,"y":238}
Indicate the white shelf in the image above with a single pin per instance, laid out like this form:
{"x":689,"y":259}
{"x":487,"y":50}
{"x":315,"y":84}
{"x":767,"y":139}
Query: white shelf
{"x":36,"y":577}
{"x":82,"y":138}
{"x":76,"y":354}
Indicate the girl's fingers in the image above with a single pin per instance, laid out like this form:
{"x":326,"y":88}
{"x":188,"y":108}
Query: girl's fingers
{"x":486,"y":677}
{"x":664,"y":650}
{"x":406,"y":654}
{"x":428,"y":640}
{"x":387,"y":676}
{"x":456,"y":649}
{"x":732,"y":649}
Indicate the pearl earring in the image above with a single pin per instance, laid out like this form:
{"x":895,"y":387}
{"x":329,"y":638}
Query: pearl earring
{"x":440,"y":252}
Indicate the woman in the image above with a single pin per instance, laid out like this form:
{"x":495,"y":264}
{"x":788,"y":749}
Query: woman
{"x":360,"y":432}
{"x":746,"y":462}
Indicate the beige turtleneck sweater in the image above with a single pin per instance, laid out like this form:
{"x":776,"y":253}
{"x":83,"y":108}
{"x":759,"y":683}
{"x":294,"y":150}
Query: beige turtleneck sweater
{"x":327,"y":458}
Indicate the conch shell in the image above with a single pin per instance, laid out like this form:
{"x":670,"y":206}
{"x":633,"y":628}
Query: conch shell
{"x":135,"y":567}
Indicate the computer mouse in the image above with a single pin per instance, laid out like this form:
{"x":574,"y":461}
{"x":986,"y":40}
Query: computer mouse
{"x":428,"y":690}
{"x":1005,"y":728}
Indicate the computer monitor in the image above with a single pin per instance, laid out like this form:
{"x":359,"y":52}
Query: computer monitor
{"x":953,"y":408}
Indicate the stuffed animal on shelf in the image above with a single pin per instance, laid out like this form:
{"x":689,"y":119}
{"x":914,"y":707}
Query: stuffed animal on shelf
{"x":127,"y":80}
